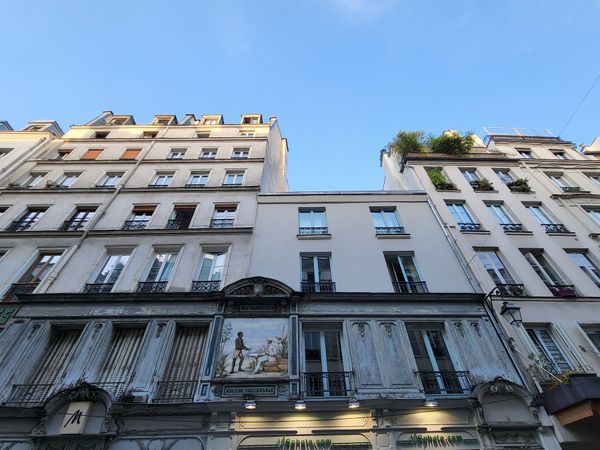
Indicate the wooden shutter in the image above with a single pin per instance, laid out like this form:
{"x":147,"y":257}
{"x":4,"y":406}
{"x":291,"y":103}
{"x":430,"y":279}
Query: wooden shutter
{"x":92,"y":154}
{"x":120,"y":361}
{"x":184,"y":362}
{"x":131,"y":153}
{"x":59,"y":351}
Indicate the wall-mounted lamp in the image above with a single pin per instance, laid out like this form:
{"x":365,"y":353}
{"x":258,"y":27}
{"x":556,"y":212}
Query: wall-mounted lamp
{"x":431,"y":402}
{"x":353,"y":404}
{"x":512,"y":313}
{"x":250,"y":404}
{"x":299,"y":405}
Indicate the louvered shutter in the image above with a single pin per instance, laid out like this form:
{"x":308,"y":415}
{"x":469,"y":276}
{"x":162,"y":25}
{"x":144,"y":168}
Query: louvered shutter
{"x":118,"y":366}
{"x":184,"y":363}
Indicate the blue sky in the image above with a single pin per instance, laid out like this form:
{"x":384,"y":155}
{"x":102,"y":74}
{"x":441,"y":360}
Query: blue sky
{"x":343,"y":76}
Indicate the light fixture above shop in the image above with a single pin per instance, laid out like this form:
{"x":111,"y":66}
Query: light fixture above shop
{"x":300,"y":405}
{"x":431,"y":402}
{"x":353,"y":404}
{"x":512,"y":313}
{"x":250,"y":404}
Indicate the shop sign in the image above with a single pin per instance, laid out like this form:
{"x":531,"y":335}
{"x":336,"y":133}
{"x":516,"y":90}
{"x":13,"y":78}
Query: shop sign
{"x":303,"y":444}
{"x":458,"y":440}
{"x":266,"y":390}
{"x":75,"y":418}
{"x":256,"y":308}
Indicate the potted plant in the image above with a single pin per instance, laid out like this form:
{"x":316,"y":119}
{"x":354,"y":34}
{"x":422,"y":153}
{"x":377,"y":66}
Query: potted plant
{"x":439,"y":180}
{"x":519,"y":185}
{"x":577,"y":387}
{"x":452,"y":143}
{"x":482,"y":185}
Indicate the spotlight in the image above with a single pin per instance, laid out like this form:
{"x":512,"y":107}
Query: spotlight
{"x":353,"y":404}
{"x":431,"y":402}
{"x":250,"y":404}
{"x":300,"y":405}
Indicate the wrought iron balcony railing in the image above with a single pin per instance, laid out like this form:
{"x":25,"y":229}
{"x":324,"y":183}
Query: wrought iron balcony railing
{"x":562,"y":290}
{"x":20,"y":288}
{"x":178,"y":224}
{"x":445,"y":382}
{"x":193,"y":185}
{"x":21,"y":225}
{"x":326,"y":384}
{"x":98,"y":288}
{"x":570,"y":189}
{"x":74,"y":225}
{"x":555,"y":228}
{"x":312,"y":231}
{"x":221,"y":223}
{"x":175,"y":391}
{"x":158,"y":186}
{"x":152,"y":286}
{"x":322,"y":286}
{"x":512,"y":227}
{"x":389,"y":230}
{"x":206,"y":286}
{"x":29,"y":394}
{"x":463,"y":226}
{"x":410,"y":287}
{"x":133,"y":225}
{"x":511,"y":289}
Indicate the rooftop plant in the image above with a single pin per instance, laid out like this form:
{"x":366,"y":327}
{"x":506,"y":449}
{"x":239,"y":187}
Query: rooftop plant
{"x":407,"y":141}
{"x":416,"y":141}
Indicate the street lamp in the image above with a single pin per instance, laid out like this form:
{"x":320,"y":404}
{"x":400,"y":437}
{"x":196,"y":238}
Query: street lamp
{"x":512,"y":313}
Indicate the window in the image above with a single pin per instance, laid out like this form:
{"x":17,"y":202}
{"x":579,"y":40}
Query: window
{"x":505,"y":175}
{"x":404,"y":274}
{"x":149,"y":134}
{"x":543,"y":217}
{"x":316,"y":273}
{"x":497,"y":270}
{"x":246,"y":133}
{"x":118,"y":121}
{"x":79,"y":220}
{"x":110,"y":272}
{"x":41,"y":267}
{"x":101,"y":134}
{"x":470,"y":174}
{"x":386,"y":221}
{"x":525,"y":153}
{"x":34,"y":128}
{"x":197,"y":179}
{"x":210,"y":273}
{"x":4,"y":151}
{"x":233,"y":179}
{"x":3,"y":209}
{"x":202,"y":134}
{"x":67,"y":180}
{"x":111,"y":179}
{"x":160,"y":273}
{"x":594,"y":334}
{"x":223,"y":217}
{"x":590,"y":268}
{"x":177,"y":153}
{"x":33,"y":179}
{"x":210,"y":121}
{"x":162,"y":179}
{"x":463,"y":218}
{"x":208,"y":153}
{"x":436,"y":368}
{"x":131,"y":153}
{"x":324,"y":363}
{"x":28,"y":220}
{"x":551,"y":356}
{"x":251,"y":120}
{"x":594,"y":213}
{"x":165,"y":120}
{"x":181,"y":217}
{"x":62,"y":153}
{"x":502,"y":216}
{"x":312,"y":222}
{"x":560,"y":181}
{"x":92,"y":154}
{"x":560,"y":154}
{"x":595,"y":178}
{"x":139,"y":218}
{"x":538,"y":262}
{"x":240,"y":153}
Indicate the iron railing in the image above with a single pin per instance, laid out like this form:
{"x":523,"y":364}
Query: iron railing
{"x":151,"y":286}
{"x":192,"y":185}
{"x":206,"y":286}
{"x":221,"y":223}
{"x":463,"y":226}
{"x":178,"y":224}
{"x":29,"y":394}
{"x":158,"y":186}
{"x":312,"y":231}
{"x":562,"y":290}
{"x":175,"y":391}
{"x":570,"y":189}
{"x":445,"y":382}
{"x":322,"y":286}
{"x":74,"y":225}
{"x":410,"y":287}
{"x":555,"y":228}
{"x":20,"y":288}
{"x":512,"y":227}
{"x":21,"y":225}
{"x":511,"y":289}
{"x":98,"y":288}
{"x":326,"y":384}
{"x":133,"y":225}
{"x":389,"y":230}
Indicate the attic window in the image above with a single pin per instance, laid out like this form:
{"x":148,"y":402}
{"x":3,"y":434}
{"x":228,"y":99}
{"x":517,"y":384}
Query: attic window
{"x":101,"y":134}
{"x":203,"y":134}
{"x":149,"y":134}
{"x":34,"y":128}
{"x":118,"y":121}
{"x":252,"y":120}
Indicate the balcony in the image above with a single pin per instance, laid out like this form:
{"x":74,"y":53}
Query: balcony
{"x":570,"y":189}
{"x":312,"y":231}
{"x":175,"y":391}
{"x":555,"y":228}
{"x":326,"y":384}
{"x":206,"y":286}
{"x":73,"y":225}
{"x":221,"y":223}
{"x":389,"y":230}
{"x":158,"y":186}
{"x":469,"y":227}
{"x":178,"y":224}
{"x":195,"y":185}
{"x":98,"y":288}
{"x":410,"y":287}
{"x":512,"y":227}
{"x":445,"y":382}
{"x":29,"y":394}
{"x":135,"y":225}
{"x":20,"y":288}
{"x":151,"y":286}
{"x":323,"y":286}
{"x":21,"y":225}
{"x":562,"y":290}
{"x":575,"y":400}
{"x":511,"y":289}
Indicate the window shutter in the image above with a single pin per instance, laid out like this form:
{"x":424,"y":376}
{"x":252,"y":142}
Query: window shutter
{"x":572,"y":348}
{"x":58,"y":353}
{"x":92,"y":154}
{"x":131,"y":153}
{"x":184,"y":363}
{"x":118,"y":366}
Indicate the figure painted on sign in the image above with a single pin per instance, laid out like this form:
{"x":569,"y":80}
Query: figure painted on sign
{"x":238,"y":352}
{"x":266,"y":354}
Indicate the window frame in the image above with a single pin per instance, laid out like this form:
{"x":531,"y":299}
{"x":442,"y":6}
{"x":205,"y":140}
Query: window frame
{"x":236,"y":174}
{"x":177,"y":151}
{"x":593,"y":271}
{"x":108,"y":176}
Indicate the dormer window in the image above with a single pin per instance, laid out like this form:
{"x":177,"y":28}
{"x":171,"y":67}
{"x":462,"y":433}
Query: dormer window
{"x":165,"y":120}
{"x":560,"y":154}
{"x":118,"y":121}
{"x":35,"y":128}
{"x":212,"y":120}
{"x":251,"y":119}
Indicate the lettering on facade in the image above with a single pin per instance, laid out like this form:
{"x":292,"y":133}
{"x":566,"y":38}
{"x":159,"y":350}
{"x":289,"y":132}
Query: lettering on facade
{"x":267,"y":390}
{"x":75,"y":418}
{"x":458,"y":440}
{"x":303,"y":444}
{"x":435,"y":439}
{"x":256,"y":308}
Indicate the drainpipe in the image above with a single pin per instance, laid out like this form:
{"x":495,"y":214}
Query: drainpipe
{"x":9,"y":168}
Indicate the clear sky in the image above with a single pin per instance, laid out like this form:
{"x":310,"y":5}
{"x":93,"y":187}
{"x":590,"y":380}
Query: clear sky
{"x":343,"y":76}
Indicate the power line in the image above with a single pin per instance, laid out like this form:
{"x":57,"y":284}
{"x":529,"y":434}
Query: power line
{"x":579,"y":105}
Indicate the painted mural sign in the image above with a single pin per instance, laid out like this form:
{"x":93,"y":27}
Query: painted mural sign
{"x":253,"y":349}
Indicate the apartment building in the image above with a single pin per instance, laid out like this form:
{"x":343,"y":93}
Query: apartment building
{"x":521,"y":208}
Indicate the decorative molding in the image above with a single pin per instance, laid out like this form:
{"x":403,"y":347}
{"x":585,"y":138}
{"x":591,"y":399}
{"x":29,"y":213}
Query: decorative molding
{"x":476,"y":327}
{"x":460,"y":328}
{"x":258,"y":287}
